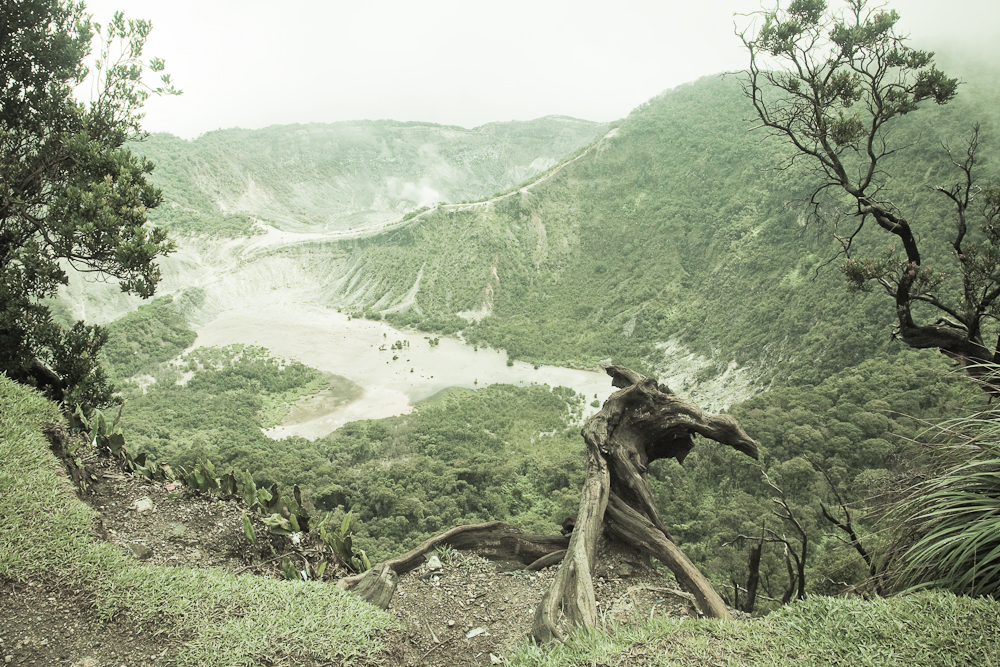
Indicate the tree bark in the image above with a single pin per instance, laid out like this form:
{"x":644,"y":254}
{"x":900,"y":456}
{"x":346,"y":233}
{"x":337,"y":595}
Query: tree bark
{"x":494,"y":540}
{"x":640,"y":423}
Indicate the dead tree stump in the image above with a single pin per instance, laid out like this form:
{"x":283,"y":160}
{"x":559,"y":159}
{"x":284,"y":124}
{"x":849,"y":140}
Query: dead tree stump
{"x":640,"y":423}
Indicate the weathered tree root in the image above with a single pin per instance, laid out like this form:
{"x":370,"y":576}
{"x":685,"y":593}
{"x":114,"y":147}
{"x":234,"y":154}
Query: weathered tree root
{"x":640,"y":423}
{"x":494,"y":540}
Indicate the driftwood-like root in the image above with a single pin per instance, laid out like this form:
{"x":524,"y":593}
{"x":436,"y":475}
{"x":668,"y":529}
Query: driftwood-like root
{"x":494,"y":540}
{"x":377,"y":585}
{"x":640,"y":423}
{"x":572,"y":591}
{"x":629,"y":526}
{"x":547,"y":561}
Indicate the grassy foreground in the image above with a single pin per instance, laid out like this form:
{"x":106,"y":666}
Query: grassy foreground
{"x":230,"y":620}
{"x":929,"y":628}
{"x":248,"y":620}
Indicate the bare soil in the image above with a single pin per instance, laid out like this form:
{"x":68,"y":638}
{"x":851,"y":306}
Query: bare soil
{"x":470,"y":611}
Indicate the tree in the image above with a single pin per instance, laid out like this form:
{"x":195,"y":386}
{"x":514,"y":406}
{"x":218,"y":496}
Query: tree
{"x":71,"y":194}
{"x":833,"y":85}
{"x":642,"y":422}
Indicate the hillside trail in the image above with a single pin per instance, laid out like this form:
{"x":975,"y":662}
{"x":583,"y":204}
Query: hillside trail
{"x":466,"y":612}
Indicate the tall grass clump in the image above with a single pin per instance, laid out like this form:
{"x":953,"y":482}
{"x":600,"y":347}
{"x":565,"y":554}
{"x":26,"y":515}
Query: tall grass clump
{"x":945,"y":533}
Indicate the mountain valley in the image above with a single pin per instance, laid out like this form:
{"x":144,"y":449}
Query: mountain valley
{"x":403,"y":327}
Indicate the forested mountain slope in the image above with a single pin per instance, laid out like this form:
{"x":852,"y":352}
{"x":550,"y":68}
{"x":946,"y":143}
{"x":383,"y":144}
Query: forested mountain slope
{"x":334,"y":176}
{"x":671,"y":242}
{"x":674,"y":233}
{"x":675,"y":228}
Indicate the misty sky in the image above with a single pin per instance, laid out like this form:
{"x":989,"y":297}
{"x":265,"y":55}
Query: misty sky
{"x":252,"y":63}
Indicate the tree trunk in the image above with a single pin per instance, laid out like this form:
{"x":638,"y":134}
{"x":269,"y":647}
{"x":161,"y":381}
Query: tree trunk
{"x":640,"y":423}
{"x":753,"y":577}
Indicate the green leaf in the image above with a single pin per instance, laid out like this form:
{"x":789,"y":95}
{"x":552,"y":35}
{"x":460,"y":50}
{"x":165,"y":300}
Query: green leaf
{"x":248,"y":530}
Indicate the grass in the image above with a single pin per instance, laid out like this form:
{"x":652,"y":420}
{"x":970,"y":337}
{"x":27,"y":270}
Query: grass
{"x":927,"y":628}
{"x":227,"y":620}
{"x":950,"y":523}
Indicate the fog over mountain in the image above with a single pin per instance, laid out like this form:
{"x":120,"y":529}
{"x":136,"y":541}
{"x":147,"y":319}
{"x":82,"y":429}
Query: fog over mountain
{"x":331,"y":177}
{"x":667,"y":236}
{"x":463,"y":64}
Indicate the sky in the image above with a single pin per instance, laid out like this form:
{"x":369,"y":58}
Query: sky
{"x":253,"y":63}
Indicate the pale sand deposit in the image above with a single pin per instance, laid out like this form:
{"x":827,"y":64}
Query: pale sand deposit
{"x":331,"y":342}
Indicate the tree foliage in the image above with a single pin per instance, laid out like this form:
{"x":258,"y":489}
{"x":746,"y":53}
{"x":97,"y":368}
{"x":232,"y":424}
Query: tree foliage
{"x":71,"y":195}
{"x":835,"y":86}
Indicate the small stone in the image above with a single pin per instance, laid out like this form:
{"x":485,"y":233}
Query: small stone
{"x":434,"y":563}
{"x":451,"y":624}
{"x":140,"y":551}
{"x":143,"y":505}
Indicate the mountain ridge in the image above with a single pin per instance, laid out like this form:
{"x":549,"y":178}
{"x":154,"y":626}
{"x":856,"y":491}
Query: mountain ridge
{"x":334,"y":176}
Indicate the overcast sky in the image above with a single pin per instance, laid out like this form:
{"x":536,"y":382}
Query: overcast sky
{"x":251,"y":63}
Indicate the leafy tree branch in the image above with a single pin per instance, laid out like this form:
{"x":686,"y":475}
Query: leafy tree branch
{"x":833,"y":85}
{"x":71,"y":194}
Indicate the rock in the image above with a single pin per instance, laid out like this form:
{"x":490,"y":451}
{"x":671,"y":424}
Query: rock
{"x":434,"y":563}
{"x":140,"y":551}
{"x":143,"y":505}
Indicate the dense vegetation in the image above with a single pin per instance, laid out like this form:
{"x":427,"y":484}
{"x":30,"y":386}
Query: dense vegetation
{"x":671,"y":229}
{"x":852,"y":439}
{"x":49,"y":531}
{"x":514,"y":454}
{"x":501,"y":452}
{"x":156,"y":332}
{"x":71,"y":193}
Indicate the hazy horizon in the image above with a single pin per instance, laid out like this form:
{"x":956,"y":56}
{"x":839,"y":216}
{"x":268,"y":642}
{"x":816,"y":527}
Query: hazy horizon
{"x":455,"y":63}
